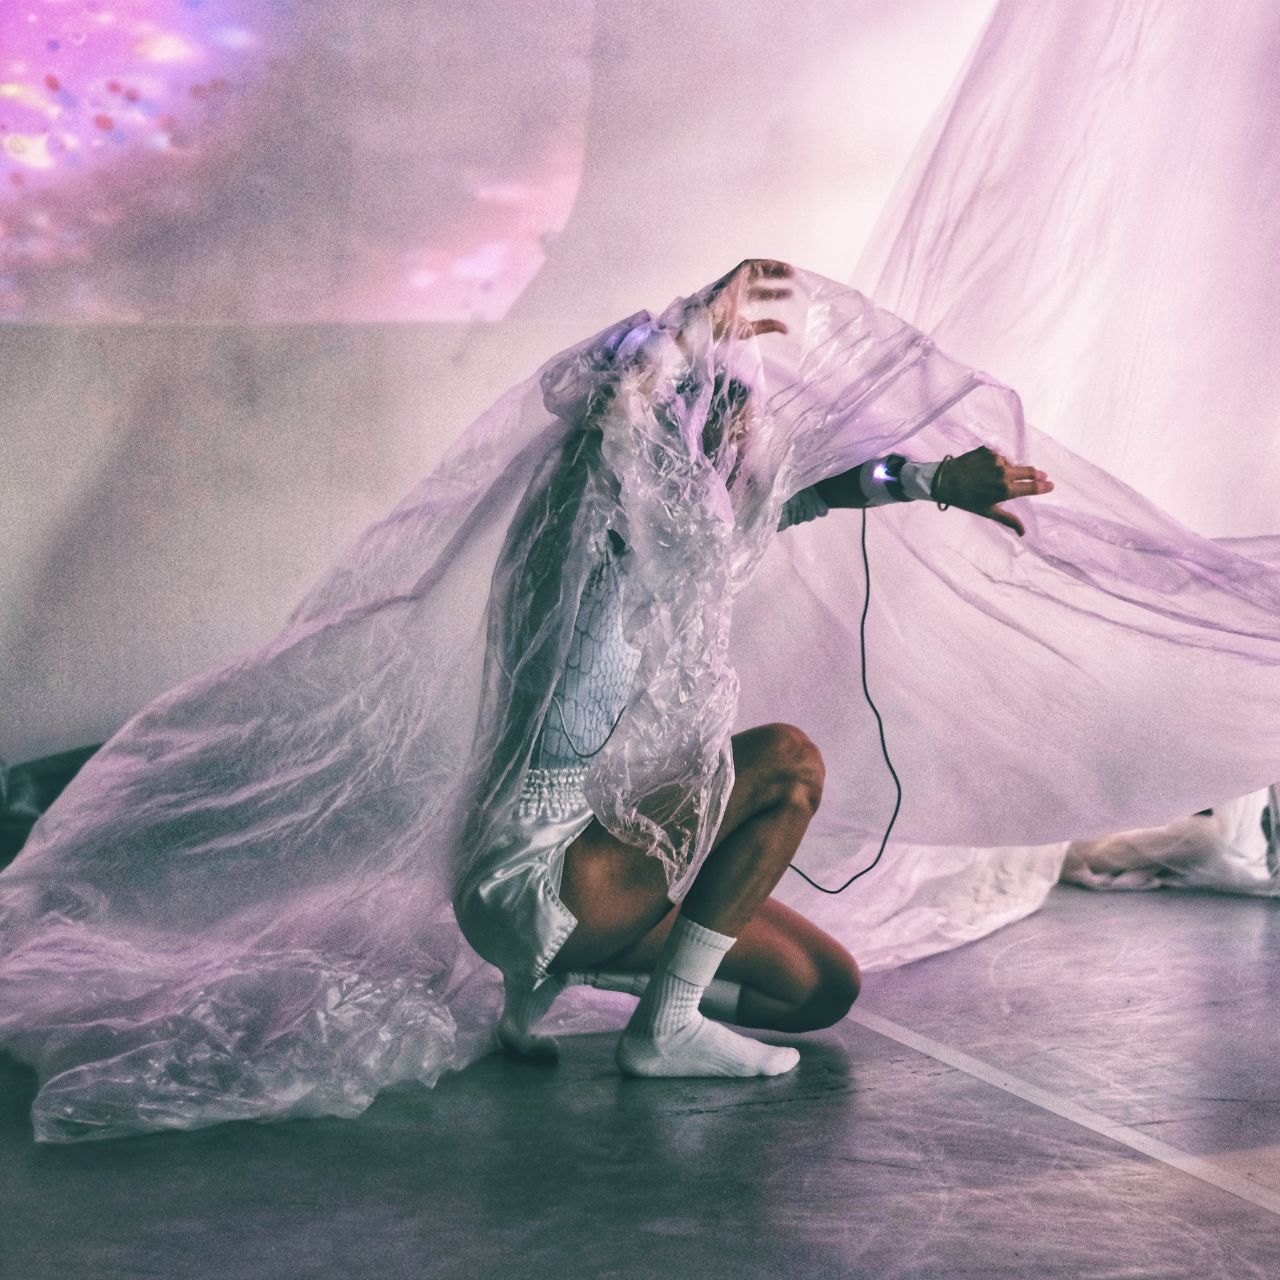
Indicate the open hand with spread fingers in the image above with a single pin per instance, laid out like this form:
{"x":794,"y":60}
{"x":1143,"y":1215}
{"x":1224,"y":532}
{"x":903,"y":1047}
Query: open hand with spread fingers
{"x":981,"y":479}
{"x":755,"y":280}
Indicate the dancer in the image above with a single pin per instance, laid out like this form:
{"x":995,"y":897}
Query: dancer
{"x":510,"y":707}
{"x":561,"y":900}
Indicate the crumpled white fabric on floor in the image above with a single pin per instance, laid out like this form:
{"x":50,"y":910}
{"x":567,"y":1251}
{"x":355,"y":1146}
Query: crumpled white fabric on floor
{"x":240,"y":907}
{"x":1235,"y":847}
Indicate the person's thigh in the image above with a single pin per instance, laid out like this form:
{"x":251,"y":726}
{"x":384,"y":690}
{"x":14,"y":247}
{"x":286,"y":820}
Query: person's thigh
{"x":619,"y":895}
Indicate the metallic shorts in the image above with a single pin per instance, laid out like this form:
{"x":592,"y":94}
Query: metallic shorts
{"x":509,"y":906}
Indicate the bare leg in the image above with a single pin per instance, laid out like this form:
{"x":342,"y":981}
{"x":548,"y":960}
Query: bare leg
{"x":792,"y":975}
{"x":624,"y":916}
{"x":619,"y":895}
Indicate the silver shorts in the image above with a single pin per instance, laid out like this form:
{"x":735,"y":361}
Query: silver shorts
{"x":509,"y":906}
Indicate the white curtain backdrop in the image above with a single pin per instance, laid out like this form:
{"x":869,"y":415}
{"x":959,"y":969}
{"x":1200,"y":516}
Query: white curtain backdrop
{"x":1091,"y":219}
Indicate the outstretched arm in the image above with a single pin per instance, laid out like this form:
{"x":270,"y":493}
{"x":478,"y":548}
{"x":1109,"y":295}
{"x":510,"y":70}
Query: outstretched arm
{"x":976,"y":481}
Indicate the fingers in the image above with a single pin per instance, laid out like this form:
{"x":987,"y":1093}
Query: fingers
{"x":770,"y":267}
{"x":981,"y":479}
{"x":1025,"y":480}
{"x":754,"y":328}
{"x":1006,"y":518}
{"x":991,"y":477}
{"x":739,"y":289}
{"x":1029,"y":486}
{"x":751,"y":269}
{"x":745,"y":329}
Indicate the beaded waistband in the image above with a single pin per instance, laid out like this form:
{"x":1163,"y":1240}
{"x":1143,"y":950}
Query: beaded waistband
{"x":553,"y":793}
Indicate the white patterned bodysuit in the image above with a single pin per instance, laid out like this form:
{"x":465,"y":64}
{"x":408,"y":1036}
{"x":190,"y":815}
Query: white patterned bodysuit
{"x":509,"y":907}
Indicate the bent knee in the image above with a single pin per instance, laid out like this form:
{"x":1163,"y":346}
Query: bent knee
{"x":838,"y":983}
{"x":795,"y":765}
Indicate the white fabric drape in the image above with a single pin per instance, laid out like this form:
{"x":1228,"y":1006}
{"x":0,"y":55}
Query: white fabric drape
{"x":1091,"y":219}
{"x":240,"y":907}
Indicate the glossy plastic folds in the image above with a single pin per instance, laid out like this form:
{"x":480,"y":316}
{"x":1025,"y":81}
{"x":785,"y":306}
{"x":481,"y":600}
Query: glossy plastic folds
{"x":241,"y":908}
{"x":1091,"y":218}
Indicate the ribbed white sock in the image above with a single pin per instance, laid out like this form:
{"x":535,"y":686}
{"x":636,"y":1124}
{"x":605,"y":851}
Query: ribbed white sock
{"x":667,"y":1036}
{"x":719,"y":1000}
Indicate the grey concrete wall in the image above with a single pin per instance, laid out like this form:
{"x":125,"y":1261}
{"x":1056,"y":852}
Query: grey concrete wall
{"x":170,"y":488}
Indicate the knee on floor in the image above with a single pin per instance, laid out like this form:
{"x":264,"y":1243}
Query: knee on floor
{"x":837,"y":984}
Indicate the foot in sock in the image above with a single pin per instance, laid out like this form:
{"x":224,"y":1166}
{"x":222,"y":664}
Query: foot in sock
{"x":667,"y":1036}
{"x":524,"y":1006}
{"x":701,"y":1048}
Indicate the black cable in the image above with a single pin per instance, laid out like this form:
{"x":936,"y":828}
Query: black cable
{"x":564,"y":729}
{"x":884,"y":749}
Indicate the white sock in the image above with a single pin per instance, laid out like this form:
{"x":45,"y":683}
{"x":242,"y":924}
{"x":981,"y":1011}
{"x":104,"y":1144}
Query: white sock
{"x":667,"y":1036}
{"x":719,"y":1000}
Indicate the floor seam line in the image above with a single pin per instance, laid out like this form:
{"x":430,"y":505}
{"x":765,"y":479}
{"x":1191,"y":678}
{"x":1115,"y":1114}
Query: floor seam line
{"x":1134,"y":1139}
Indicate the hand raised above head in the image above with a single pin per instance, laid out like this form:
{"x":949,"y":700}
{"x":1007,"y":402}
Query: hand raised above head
{"x":979,"y":480}
{"x":745,"y":284}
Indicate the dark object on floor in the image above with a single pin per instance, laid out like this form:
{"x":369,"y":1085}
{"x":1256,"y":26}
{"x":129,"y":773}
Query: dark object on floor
{"x":27,"y":790}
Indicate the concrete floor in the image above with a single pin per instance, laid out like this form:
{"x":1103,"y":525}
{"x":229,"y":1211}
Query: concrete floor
{"x":1094,"y":1092}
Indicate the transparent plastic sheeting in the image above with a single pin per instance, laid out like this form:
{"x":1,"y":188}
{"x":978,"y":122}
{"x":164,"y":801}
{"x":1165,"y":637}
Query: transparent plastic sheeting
{"x":240,"y":908}
{"x":1090,"y":216}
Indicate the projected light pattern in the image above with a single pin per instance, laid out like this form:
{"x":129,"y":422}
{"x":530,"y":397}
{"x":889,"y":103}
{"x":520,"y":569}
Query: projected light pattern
{"x":283,"y":160}
{"x":98,"y":101}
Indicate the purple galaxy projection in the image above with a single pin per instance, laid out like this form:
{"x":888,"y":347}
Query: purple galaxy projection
{"x":257,"y":160}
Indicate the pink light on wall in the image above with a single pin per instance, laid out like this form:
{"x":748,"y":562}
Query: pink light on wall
{"x":276,"y":160}
{"x":105,"y":111}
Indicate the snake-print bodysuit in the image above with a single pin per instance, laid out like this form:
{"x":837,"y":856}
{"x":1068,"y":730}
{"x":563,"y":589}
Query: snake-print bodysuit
{"x":592,"y":690}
